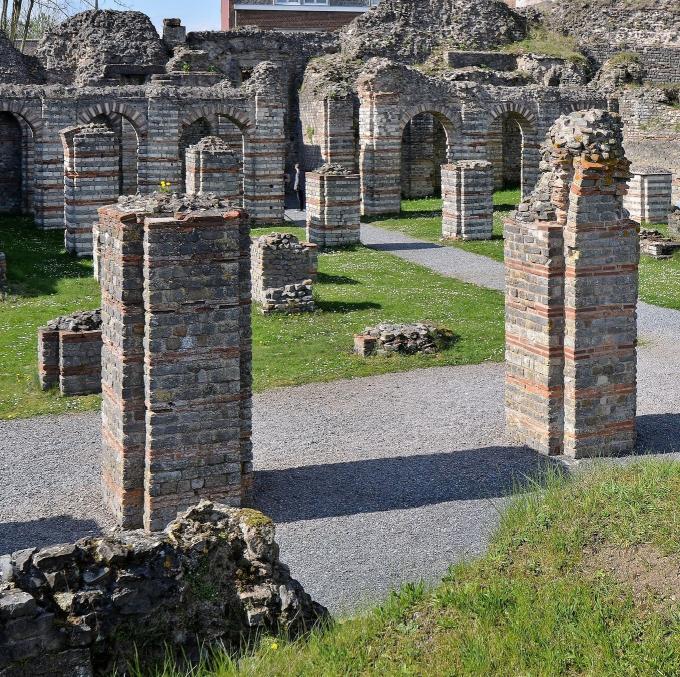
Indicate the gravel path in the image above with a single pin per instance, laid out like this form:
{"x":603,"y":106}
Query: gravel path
{"x":372,"y":482}
{"x":449,"y":261}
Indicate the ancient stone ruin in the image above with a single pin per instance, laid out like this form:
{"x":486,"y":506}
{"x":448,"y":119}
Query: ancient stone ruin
{"x":571,"y":256}
{"x":405,"y":339}
{"x":89,"y":607}
{"x":649,"y":195}
{"x":213,"y":167}
{"x":467,"y":195}
{"x":176,"y":362}
{"x":69,"y":354}
{"x":283,"y":270}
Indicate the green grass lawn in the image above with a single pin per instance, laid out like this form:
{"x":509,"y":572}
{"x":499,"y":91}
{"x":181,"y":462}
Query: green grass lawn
{"x":422,"y":219}
{"x":356,"y":288}
{"x":659,"y":280}
{"x":561,"y":591}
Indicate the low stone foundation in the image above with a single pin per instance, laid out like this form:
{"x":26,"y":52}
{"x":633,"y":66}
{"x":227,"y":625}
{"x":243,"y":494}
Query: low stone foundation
{"x":467,"y":194}
{"x":333,"y":207}
{"x":407,"y":339}
{"x":69,"y":354}
{"x":649,"y":195}
{"x":654,"y":244}
{"x":90,"y":608}
{"x":283,"y":270}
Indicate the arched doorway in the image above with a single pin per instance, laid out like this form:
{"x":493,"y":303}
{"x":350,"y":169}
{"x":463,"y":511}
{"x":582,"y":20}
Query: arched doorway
{"x":423,"y":152}
{"x":510,"y":147}
{"x":13,"y":164}
{"x":216,"y":124}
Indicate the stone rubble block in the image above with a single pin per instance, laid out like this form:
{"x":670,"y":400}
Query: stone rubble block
{"x":407,"y":339}
{"x":212,"y":577}
{"x":213,"y":167}
{"x":673,"y":223}
{"x":654,"y":244}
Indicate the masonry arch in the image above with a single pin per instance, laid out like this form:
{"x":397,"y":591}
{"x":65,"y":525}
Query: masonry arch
{"x":513,"y":147}
{"x":17,"y":158}
{"x":131,"y":130}
{"x":230,"y":124}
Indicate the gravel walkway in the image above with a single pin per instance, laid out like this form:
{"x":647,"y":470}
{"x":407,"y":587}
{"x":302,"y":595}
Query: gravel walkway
{"x":372,"y":482}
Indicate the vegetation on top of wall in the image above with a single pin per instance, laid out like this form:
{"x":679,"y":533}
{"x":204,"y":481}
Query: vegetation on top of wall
{"x":548,"y":43}
{"x":624,"y":59}
{"x":331,"y":75}
{"x":581,"y":578}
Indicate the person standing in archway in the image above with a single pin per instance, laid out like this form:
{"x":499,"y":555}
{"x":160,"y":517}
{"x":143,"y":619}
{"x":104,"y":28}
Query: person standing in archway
{"x":299,"y":186}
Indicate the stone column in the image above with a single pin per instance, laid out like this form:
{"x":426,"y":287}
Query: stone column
{"x":123,"y":410}
{"x":649,"y":195}
{"x":80,"y":370}
{"x":467,"y":194}
{"x":212,"y":167}
{"x":91,"y":180}
{"x":48,"y":357}
{"x":333,"y":207}
{"x":572,"y":267}
{"x":176,"y":359}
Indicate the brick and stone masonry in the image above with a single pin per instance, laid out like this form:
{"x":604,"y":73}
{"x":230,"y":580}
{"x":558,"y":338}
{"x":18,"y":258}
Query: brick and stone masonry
{"x":69,"y":354}
{"x":175,"y":417}
{"x":649,"y":195}
{"x":279,"y":261}
{"x":212,"y":167}
{"x":333,"y":207}
{"x":572,"y":283}
{"x":91,"y":179}
{"x":467,"y":194}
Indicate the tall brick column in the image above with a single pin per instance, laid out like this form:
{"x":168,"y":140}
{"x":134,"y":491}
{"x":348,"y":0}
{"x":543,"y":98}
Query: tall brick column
{"x":212,"y":167}
{"x":649,"y":195}
{"x":91,"y":180}
{"x":571,"y":270}
{"x":333,"y":207}
{"x":176,"y":358}
{"x":467,"y":194}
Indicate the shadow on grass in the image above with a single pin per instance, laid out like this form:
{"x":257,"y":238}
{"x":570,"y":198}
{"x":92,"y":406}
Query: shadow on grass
{"x":36,"y":259}
{"x":346,"y":306}
{"x":325,"y":278}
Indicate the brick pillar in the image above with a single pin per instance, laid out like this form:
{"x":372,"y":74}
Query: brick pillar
{"x":649,"y":196}
{"x":333,"y":207}
{"x":48,"y":357}
{"x":192,"y":363}
{"x":571,"y":267}
{"x":467,"y":193}
{"x":212,"y":167}
{"x":91,"y":180}
{"x":177,"y":397}
{"x":123,"y":411}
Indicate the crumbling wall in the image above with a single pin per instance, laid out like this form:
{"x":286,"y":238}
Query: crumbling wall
{"x":101,"y":605}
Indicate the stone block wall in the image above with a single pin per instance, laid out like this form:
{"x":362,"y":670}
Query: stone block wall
{"x":175,"y":417}
{"x":649,"y":195}
{"x":673,"y":224}
{"x":85,"y":608}
{"x":571,"y":294}
{"x":467,"y":194}
{"x":423,"y":152}
{"x":91,"y":179}
{"x":69,"y":354}
{"x":212,"y":167}
{"x":333,"y":207}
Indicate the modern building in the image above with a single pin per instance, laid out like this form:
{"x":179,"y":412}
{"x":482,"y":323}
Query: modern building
{"x":292,"y":15}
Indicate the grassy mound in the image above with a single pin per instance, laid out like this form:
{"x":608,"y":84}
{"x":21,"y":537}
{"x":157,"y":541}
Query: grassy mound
{"x":582,"y":578}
